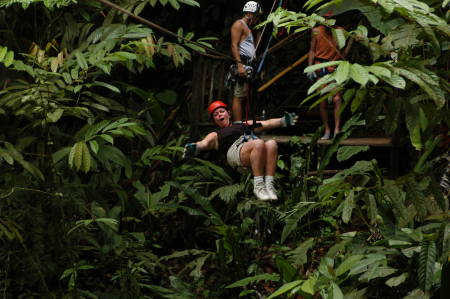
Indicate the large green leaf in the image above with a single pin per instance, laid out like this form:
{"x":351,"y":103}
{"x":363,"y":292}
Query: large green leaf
{"x":9,"y":59}
{"x":379,"y":71}
{"x":79,"y":156}
{"x":437,"y":97}
{"x":395,"y":81}
{"x":427,"y":258}
{"x":3,"y":51}
{"x":285,"y":288}
{"x":298,"y":257}
{"x":359,"y":74}
{"x":346,"y":152}
{"x":81,"y":60}
{"x":348,"y":206}
{"x":336,"y":291}
{"x":342,"y":72}
{"x":348,"y":264}
{"x":339,"y":37}
{"x":398,"y":280}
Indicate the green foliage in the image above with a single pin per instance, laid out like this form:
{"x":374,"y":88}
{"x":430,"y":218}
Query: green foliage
{"x":406,"y":28}
{"x":427,"y":259}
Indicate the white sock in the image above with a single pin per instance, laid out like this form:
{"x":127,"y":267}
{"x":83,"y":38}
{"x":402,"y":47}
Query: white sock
{"x":258,"y":180}
{"x":269,"y":179}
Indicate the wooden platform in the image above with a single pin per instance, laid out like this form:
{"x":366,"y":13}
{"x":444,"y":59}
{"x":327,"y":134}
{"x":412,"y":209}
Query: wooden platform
{"x":370,"y":141}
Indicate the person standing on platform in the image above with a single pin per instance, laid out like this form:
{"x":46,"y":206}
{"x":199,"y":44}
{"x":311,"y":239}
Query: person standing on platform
{"x":244,"y":53}
{"x":324,"y":48}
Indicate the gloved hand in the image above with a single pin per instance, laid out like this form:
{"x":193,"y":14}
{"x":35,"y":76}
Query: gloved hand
{"x":289,"y":119}
{"x":190,"y":150}
{"x":311,"y":76}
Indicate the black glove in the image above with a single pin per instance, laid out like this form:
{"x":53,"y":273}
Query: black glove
{"x":190,"y":150}
{"x":289,"y":119}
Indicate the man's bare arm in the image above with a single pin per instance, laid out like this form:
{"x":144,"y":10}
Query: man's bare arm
{"x":236,"y":33}
{"x":312,"y":47}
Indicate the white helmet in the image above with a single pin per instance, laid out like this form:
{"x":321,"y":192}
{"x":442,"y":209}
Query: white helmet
{"x":252,"y":6}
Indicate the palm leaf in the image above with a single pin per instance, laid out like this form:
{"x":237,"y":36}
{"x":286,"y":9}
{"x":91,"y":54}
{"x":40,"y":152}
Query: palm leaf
{"x":427,"y":259}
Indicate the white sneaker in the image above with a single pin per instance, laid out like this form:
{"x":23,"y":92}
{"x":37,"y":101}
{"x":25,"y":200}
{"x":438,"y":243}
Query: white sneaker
{"x":260,"y":192}
{"x":271,"y":192}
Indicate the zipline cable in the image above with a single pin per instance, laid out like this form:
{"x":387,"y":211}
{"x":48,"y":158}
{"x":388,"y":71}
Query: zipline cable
{"x":266,"y":51}
{"x":217,"y":54}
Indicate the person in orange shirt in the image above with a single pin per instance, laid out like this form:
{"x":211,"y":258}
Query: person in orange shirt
{"x":323,"y":49}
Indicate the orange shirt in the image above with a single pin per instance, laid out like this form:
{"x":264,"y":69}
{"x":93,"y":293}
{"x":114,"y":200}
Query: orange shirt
{"x":326,"y":47}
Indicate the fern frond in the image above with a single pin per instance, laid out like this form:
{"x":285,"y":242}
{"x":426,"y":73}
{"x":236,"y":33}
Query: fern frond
{"x":416,"y":196}
{"x":292,"y":220}
{"x":427,"y":259}
{"x":445,"y":180}
{"x":396,"y":197}
{"x":228,"y":193}
{"x":298,"y":257}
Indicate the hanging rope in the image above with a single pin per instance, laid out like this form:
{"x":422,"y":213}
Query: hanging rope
{"x":215,"y":54}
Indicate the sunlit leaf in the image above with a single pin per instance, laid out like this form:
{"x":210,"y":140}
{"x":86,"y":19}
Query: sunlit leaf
{"x":285,"y":288}
{"x":342,"y":72}
{"x":359,"y":74}
{"x":396,"y":281}
{"x":9,"y":59}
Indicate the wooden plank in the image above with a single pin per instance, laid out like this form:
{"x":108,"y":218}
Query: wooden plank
{"x":370,"y":141}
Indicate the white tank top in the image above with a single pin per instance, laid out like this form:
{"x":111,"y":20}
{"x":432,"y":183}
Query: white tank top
{"x":247,"y":46}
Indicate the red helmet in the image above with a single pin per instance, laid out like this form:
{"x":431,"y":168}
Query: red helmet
{"x":214,"y":105}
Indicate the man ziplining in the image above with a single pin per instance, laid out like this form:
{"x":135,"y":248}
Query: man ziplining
{"x":244,"y":150}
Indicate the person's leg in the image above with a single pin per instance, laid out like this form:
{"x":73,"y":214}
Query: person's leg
{"x":236,"y":108}
{"x":271,"y":165}
{"x":337,"y":100}
{"x":324,"y":117}
{"x":271,"y":157}
{"x":253,"y":155}
{"x":239,"y":96}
